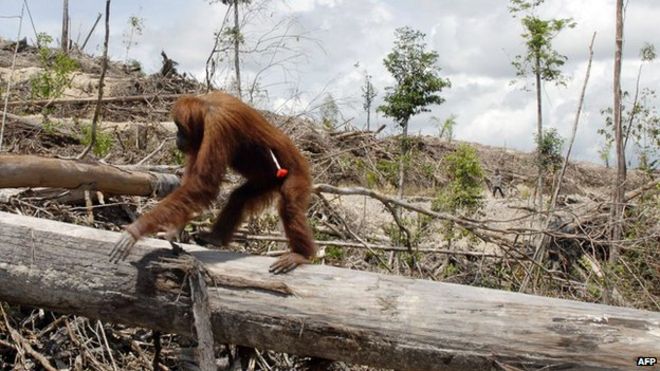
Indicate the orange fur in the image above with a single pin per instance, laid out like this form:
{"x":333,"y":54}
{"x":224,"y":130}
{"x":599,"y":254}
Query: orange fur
{"x":225,"y":132}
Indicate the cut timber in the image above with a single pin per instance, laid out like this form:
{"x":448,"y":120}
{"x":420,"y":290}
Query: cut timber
{"x":339,"y":314}
{"x":34,"y":171}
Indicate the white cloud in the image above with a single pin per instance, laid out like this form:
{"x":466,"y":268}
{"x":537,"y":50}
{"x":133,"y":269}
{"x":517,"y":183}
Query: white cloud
{"x":298,"y":6}
{"x":476,"y":41}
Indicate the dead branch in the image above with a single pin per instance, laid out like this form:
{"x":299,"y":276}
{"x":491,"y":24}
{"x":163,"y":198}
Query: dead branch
{"x":481,"y":230}
{"x":91,"y":31}
{"x":25,"y":344}
{"x":372,"y":246}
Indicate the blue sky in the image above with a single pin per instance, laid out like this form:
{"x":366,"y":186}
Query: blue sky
{"x":476,"y":41}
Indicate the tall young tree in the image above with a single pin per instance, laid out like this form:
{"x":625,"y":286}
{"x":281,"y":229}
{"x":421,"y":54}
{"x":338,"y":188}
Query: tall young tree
{"x":539,"y":60}
{"x":617,"y":195}
{"x":417,"y":84}
{"x":368,"y":93}
{"x":237,"y":38}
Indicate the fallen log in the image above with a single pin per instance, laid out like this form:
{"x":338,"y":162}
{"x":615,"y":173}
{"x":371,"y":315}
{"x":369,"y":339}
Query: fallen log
{"x":120,"y":99}
{"x":339,"y":314}
{"x":34,"y":171}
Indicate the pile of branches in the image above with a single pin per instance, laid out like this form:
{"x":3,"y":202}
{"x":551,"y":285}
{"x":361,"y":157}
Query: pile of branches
{"x":32,"y":339}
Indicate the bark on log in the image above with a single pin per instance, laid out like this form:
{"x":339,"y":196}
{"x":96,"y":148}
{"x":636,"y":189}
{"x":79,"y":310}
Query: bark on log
{"x":34,"y":171}
{"x":339,"y":314}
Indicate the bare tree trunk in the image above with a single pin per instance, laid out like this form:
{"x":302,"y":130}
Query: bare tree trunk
{"x":65,"y":27}
{"x":104,"y":68}
{"x":555,"y":194}
{"x":368,"y":116}
{"x":539,"y":132}
{"x":539,"y":180}
{"x":617,"y":197}
{"x":237,"y":62}
{"x":91,"y":31}
{"x":402,"y":158}
{"x":364,"y":201}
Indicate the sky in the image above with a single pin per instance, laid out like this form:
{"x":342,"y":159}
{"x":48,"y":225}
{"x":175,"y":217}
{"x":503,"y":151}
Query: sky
{"x":335,"y":42}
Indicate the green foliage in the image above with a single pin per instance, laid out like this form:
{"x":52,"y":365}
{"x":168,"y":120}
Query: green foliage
{"x":463,"y":192}
{"x":540,"y":58}
{"x":57,"y":67}
{"x":104,"y":140}
{"x":417,"y":83}
{"x":135,"y":28}
{"x":179,"y":157}
{"x":134,"y":65}
{"x":525,"y":192}
{"x":638,"y":277}
{"x":647,"y":53}
{"x":548,"y":150}
{"x":329,"y":113}
{"x":446,"y":129}
{"x":49,"y":127}
{"x":233,"y":34}
{"x":418,"y":226}
{"x":372,"y":179}
{"x":368,"y":94}
{"x":43,"y":42}
{"x":641,"y":123}
{"x":450,"y":270}
{"x":411,"y":258}
{"x":647,"y":165}
{"x":604,"y":152}
{"x":416,"y":75}
{"x":389,"y":170}
{"x":231,"y":2}
{"x":517,"y":6}
{"x":395,"y":234}
{"x":334,"y":252}
{"x":594,"y":287}
{"x":427,"y":169}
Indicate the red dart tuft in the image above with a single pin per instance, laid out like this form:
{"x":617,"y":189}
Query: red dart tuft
{"x":281,"y":173}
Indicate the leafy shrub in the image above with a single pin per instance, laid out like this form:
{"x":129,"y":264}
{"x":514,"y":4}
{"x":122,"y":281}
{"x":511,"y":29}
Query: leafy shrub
{"x":548,"y":151}
{"x":463,"y":192}
{"x":57,"y":67}
{"x":104,"y":141}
